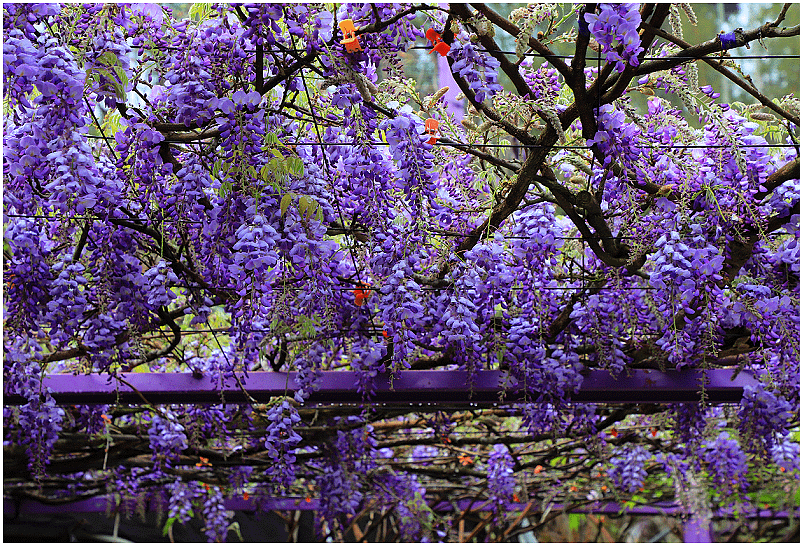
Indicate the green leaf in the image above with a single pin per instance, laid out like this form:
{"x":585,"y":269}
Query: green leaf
{"x":285,"y":202}
{"x":296,"y":166}
{"x":168,"y":525}
{"x":200,"y":11}
{"x":312,"y":207}
{"x":302,"y":205}
{"x":236,"y":529}
{"x":108,"y":58}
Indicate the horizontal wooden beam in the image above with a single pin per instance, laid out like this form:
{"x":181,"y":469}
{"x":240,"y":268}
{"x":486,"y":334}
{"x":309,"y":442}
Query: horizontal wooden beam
{"x":415,"y":387}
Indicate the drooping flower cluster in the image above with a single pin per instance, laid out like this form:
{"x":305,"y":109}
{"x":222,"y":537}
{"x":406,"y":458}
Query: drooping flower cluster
{"x":38,"y":417}
{"x":281,"y":441}
{"x":764,"y":415}
{"x":414,"y":517}
{"x":617,"y":26}
{"x":214,"y":514}
{"x":500,"y":478}
{"x":478,"y":70}
{"x":167,"y":438}
{"x":348,"y":459}
{"x":786,"y":454}
{"x":726,"y":462}
{"x":627,"y":468}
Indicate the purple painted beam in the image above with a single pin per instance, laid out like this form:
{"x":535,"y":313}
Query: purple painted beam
{"x":100,"y":504}
{"x":697,"y":530}
{"x":599,"y":386}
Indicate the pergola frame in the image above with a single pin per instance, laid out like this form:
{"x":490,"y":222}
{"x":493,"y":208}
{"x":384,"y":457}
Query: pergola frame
{"x":410,"y":387}
{"x":430,"y":386}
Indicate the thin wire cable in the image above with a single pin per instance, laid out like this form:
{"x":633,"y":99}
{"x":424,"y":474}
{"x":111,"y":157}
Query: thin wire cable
{"x":532,"y":146}
{"x":289,"y":50}
{"x":669,"y":57}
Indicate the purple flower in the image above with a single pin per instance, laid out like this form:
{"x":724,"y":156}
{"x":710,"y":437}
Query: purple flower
{"x":726,"y":462}
{"x":167,"y":438}
{"x":617,"y":24}
{"x":627,"y":468}
{"x":500,"y":478}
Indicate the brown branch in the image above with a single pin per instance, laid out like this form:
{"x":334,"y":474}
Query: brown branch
{"x":176,"y":338}
{"x":789,"y":171}
{"x":699,"y":51}
{"x":744,"y":85}
{"x":77,"y":352}
{"x":517,"y":132}
{"x":510,"y":69}
{"x":489,"y":158}
{"x":536,"y":45}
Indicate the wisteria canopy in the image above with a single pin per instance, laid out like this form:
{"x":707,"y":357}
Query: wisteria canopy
{"x":256,"y":192}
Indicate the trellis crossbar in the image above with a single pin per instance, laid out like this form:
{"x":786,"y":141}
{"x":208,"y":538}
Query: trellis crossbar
{"x":411,"y":386}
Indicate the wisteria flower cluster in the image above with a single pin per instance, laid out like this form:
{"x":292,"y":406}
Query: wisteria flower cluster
{"x":628,"y":468}
{"x":616,"y":27}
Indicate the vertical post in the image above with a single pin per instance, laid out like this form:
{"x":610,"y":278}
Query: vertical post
{"x":456,"y":107}
{"x":697,"y":529}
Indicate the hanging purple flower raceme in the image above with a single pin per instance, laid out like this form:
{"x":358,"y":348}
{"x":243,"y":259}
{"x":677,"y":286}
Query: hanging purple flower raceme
{"x":726,"y":463}
{"x":348,"y":461}
{"x":617,"y":25}
{"x":413,"y":515}
{"x":500,"y":479}
{"x":261,"y":24}
{"x":627,"y":468}
{"x":615,"y":136}
{"x":603,"y":320}
{"x":367,"y":361}
{"x":478,"y":70}
{"x":408,"y":145}
{"x":280,"y":443}
{"x":181,"y":497}
{"x":690,"y":422}
{"x":401,"y":310}
{"x":127,"y":488}
{"x":686,"y":269}
{"x":90,"y":418}
{"x":551,"y":373}
{"x":543,"y":81}
{"x":786,"y":455}
{"x":25,"y":16}
{"x":214,"y":515}
{"x":167,"y":439}
{"x":206,"y":421}
{"x":39,"y":420}
{"x":763,"y":416}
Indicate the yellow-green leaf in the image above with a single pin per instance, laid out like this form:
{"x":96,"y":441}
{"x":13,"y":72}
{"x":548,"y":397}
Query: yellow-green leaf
{"x":285,"y":201}
{"x":302,"y":205}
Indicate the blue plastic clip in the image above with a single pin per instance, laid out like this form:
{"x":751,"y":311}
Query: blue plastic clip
{"x":728,"y":40}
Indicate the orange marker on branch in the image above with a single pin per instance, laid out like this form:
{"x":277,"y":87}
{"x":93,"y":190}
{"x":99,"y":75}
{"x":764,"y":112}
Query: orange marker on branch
{"x":431,"y":127}
{"x":438,"y":45}
{"x":350,"y":41}
{"x":362,"y":294}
